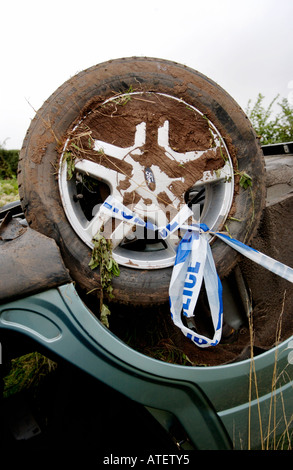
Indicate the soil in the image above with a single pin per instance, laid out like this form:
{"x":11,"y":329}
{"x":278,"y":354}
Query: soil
{"x":272,"y":295}
{"x":115,"y":123}
{"x":154,"y":334}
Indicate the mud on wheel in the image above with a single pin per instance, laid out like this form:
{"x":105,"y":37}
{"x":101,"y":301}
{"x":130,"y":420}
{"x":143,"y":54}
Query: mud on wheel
{"x":156,"y":135}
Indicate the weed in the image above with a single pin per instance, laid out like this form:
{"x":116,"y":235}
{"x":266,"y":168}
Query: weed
{"x":70,"y":160}
{"x":165,"y":350}
{"x":27,"y":372}
{"x":270,"y":438}
{"x":102,"y":257}
{"x":74,"y":149}
{"x":245,"y":180}
{"x":124,"y":98}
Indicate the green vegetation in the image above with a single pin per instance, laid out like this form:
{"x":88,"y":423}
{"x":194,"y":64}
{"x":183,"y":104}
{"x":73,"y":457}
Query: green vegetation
{"x":102,"y":256}
{"x":271,"y":127}
{"x":8,"y":191}
{"x":8,"y":180}
{"x":27,"y":372}
{"x":271,"y":437}
{"x":8,"y":163}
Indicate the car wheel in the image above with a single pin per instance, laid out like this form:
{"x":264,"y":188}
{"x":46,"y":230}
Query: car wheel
{"x":156,"y":135}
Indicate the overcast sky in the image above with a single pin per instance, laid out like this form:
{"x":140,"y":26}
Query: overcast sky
{"x":245,"y":46}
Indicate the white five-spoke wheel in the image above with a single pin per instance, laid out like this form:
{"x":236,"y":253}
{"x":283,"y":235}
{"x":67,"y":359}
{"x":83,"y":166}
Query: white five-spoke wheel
{"x":157,"y":194}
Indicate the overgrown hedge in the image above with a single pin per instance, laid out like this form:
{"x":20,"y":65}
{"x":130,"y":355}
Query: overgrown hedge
{"x":8,"y":163}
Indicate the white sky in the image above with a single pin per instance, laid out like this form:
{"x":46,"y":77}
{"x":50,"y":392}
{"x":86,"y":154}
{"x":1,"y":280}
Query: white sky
{"x":245,"y":46}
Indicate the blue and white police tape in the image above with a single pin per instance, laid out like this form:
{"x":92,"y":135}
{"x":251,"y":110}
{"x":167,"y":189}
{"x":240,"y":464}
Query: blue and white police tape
{"x":193,"y":264}
{"x":115,"y":208}
{"x":254,"y":255}
{"x":263,"y":260}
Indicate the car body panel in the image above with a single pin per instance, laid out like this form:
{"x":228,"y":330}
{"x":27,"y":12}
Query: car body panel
{"x":236,"y":405}
{"x":60,"y":322}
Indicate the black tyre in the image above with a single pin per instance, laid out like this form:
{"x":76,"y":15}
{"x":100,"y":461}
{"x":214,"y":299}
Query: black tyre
{"x":154,"y":134}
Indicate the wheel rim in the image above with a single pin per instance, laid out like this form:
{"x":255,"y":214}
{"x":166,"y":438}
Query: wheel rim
{"x":149,"y":175}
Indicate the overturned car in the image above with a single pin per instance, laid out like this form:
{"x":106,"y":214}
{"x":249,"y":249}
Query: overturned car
{"x":130,"y":168}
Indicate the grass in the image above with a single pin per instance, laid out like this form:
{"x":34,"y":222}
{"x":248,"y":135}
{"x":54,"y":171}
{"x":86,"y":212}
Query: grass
{"x":165,"y":350}
{"x":8,"y":191}
{"x":27,"y":372}
{"x":270,"y":436}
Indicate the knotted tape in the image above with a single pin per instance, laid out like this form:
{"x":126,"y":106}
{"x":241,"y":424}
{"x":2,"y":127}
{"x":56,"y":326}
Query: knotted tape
{"x":194,"y":264}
